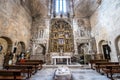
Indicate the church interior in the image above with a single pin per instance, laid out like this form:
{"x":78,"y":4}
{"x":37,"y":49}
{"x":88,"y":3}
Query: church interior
{"x":59,"y":39}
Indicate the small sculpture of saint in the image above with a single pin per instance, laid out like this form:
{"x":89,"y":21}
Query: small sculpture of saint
{"x":1,"y":47}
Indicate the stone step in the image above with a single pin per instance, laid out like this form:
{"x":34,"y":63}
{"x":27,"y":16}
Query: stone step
{"x":70,"y":66}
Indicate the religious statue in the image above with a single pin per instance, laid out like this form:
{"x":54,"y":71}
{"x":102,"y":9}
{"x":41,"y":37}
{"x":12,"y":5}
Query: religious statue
{"x":61,"y":51}
{"x":1,"y":47}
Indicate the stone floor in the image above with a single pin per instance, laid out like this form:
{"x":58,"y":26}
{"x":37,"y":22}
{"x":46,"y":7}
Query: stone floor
{"x":77,"y":74}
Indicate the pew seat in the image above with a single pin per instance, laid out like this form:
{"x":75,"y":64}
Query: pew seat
{"x":11,"y":78}
{"x":111,"y":69}
{"x":93,"y":62}
{"x":11,"y":75}
{"x":34,"y":64}
{"x":100,"y":65}
{"x":24,"y":69}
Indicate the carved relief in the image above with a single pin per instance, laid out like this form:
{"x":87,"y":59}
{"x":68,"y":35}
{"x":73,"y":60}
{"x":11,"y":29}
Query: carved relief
{"x":61,"y":37}
{"x":83,"y":28}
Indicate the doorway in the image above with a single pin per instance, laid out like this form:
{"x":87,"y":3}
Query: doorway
{"x":106,"y":51}
{"x":117,"y":44}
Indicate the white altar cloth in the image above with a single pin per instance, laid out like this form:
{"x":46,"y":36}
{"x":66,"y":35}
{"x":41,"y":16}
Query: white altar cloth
{"x":61,"y":57}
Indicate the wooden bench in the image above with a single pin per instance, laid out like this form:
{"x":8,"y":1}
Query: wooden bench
{"x":111,"y":69}
{"x":24,"y":69}
{"x":100,"y":65}
{"x":34,"y":64}
{"x":40,"y":62}
{"x":29,"y":60}
{"x":92,"y":62}
{"x":11,"y":75}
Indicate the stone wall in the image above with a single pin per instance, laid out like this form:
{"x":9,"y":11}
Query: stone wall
{"x":15,"y":21}
{"x":105,"y":23}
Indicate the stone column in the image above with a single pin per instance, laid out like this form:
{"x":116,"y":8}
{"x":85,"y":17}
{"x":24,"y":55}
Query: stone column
{"x":54,"y":61}
{"x":33,"y":49}
{"x":1,"y":60}
{"x":114,"y":57}
{"x":67,"y":61}
{"x":47,"y":35}
{"x":90,"y":47}
{"x":43,"y":33}
{"x":75,"y":52}
{"x":40,"y":34}
{"x":75,"y":44}
{"x":70,"y":60}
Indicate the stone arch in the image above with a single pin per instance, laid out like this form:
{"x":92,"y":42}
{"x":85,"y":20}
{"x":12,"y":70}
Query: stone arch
{"x":83,"y":51}
{"x":117,"y":45}
{"x":104,"y":50}
{"x":40,"y":51}
{"x":44,"y":49}
{"x":100,"y":43}
{"x":6,"y":43}
{"x":18,"y":50}
{"x":20,"y":47}
{"x":81,"y":47}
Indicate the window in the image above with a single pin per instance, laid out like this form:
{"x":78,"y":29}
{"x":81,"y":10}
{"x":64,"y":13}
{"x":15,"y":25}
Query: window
{"x":64,"y":5}
{"x":60,"y":6}
{"x":57,"y":6}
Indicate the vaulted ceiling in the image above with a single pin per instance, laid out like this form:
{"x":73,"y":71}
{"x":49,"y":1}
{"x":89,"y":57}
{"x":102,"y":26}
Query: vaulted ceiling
{"x":38,"y":7}
{"x":85,"y":8}
{"x":82,"y":8}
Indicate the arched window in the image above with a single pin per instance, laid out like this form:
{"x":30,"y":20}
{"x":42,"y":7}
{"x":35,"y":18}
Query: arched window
{"x":60,"y":6}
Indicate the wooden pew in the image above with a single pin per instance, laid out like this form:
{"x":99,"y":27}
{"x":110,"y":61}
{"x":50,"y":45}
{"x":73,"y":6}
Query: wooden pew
{"x":92,"y":62}
{"x":111,"y":69}
{"x":101,"y":65}
{"x":11,"y":75}
{"x":24,"y":69}
{"x":35,"y":64}
{"x":40,"y":62}
{"x":29,"y":60}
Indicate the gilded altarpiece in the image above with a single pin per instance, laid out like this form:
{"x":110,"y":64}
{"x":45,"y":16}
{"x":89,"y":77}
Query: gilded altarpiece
{"x":61,"y":36}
